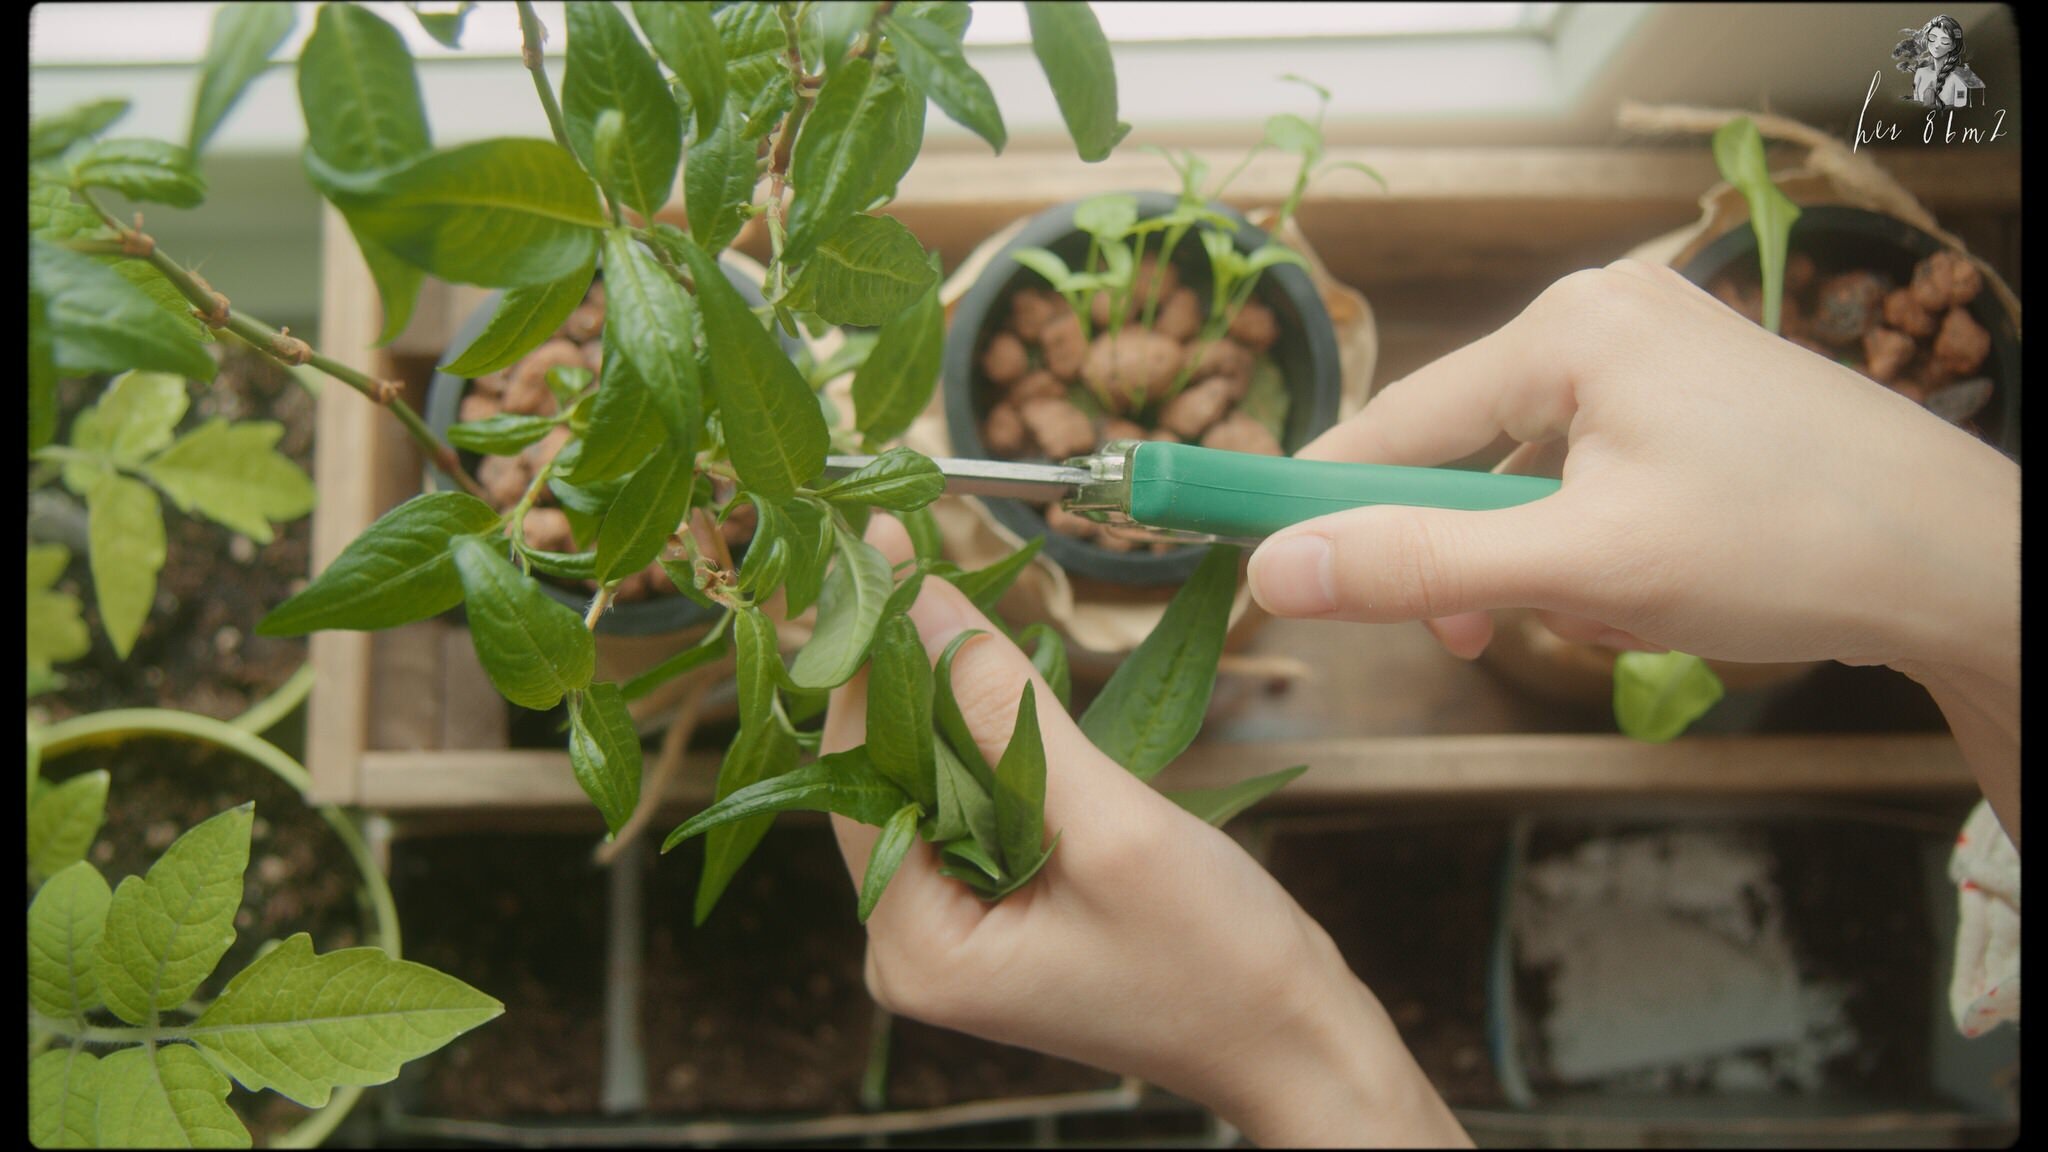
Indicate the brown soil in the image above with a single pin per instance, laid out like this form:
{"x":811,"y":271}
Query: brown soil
{"x":198,"y":650}
{"x":1412,"y":910}
{"x":521,"y":918}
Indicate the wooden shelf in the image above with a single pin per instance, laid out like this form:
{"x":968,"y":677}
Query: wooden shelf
{"x":404,"y":721}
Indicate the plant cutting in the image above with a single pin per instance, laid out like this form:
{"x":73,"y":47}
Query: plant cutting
{"x":801,"y":116}
{"x":1101,"y":323}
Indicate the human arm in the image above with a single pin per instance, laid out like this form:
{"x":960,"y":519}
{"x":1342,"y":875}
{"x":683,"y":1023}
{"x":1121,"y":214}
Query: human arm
{"x":1150,"y":944}
{"x":1725,"y":492}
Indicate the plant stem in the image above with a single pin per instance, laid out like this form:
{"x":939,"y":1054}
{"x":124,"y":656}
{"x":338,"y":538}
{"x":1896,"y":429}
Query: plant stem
{"x":532,"y":34}
{"x":785,"y":138}
{"x":598,"y":604}
{"x":515,"y":521}
{"x":278,"y":344}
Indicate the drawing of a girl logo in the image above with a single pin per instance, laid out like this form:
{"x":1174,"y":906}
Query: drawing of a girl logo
{"x":1934,"y":57}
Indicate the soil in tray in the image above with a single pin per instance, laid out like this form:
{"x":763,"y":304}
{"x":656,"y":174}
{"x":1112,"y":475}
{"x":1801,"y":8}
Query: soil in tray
{"x":198,"y":650}
{"x":1412,"y":910}
{"x":764,"y":1008}
{"x":300,"y":878}
{"x":521,"y":918}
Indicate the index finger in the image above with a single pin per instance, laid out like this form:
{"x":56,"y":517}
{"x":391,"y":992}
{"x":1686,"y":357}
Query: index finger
{"x":1517,"y":380}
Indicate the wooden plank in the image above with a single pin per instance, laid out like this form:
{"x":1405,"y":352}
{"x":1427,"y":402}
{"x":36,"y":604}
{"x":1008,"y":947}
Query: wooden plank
{"x":338,"y":715}
{"x":1396,"y":768}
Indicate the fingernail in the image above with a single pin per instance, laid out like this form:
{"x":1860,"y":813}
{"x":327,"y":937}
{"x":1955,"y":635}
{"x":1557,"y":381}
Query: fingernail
{"x":1291,"y":576}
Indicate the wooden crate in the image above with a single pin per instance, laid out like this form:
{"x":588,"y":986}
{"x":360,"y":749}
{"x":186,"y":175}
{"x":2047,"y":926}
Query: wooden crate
{"x":404,"y":720}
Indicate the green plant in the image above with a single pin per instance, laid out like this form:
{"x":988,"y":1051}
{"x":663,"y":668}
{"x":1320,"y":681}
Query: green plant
{"x":1117,"y":239}
{"x":1657,"y":696}
{"x":117,"y":967}
{"x":802,"y":116}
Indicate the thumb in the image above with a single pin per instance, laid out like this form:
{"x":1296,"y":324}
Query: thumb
{"x":1389,"y":563}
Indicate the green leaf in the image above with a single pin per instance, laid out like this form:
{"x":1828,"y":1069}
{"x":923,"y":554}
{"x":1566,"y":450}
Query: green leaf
{"x":905,"y":595}
{"x":900,"y":710}
{"x":1019,"y":877}
{"x":810,"y":539}
{"x":844,"y":783}
{"x":952,"y":724}
{"x":1049,"y":656}
{"x":604,"y":752}
{"x":444,"y":27}
{"x":359,"y":93}
{"x":398,"y":571}
{"x":304,"y":1025}
{"x":1068,"y":41}
{"x":842,"y":139}
{"x":56,"y":631}
{"x":52,"y":135}
{"x":42,"y":371}
{"x":974,"y":809}
{"x":1291,"y":133}
{"x":398,"y":283}
{"x":63,"y":1095}
{"x":645,"y":515}
{"x":501,"y":435}
{"x":233,"y":475}
{"x":865,"y":273}
{"x":899,"y":479}
{"x":900,"y":145}
{"x":149,"y":170}
{"x":63,"y":820}
{"x":158,"y":287}
{"x":244,"y":36}
{"x":890,"y":848}
{"x":567,"y":565}
{"x":773,"y":428}
{"x":930,"y":55}
{"x":926,"y":540}
{"x":703,"y":652}
{"x":1020,"y":790}
{"x":985,"y":586}
{"x":165,"y":1096}
{"x":849,"y":607}
{"x":767,"y":554}
{"x":1108,"y":218}
{"x":165,"y":931}
{"x":761,"y":753}
{"x":756,"y":78}
{"x":134,"y":418}
{"x":1657,"y":695}
{"x":1739,"y":153}
{"x":628,"y":421}
{"x":974,"y":853}
{"x":839,"y":21}
{"x":98,"y":322}
{"x":1216,"y":806}
{"x":758,"y":666}
{"x":686,"y":39}
{"x":534,"y":649}
{"x":896,"y":381}
{"x":498,"y":213}
{"x":126,"y":526}
{"x":653,"y":325}
{"x":718,"y":180}
{"x":1046,"y":264}
{"x":65,"y":922}
{"x":608,"y":70}
{"x":523,"y":321}
{"x":1153,"y":705}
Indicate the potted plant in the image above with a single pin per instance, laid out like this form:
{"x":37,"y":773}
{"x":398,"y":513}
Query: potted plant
{"x":1142,"y":316}
{"x":1870,"y":290}
{"x":703,"y":412}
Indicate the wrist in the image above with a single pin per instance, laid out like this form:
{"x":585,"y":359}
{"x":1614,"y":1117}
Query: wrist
{"x":1959,"y":625}
{"x":1330,"y":1070}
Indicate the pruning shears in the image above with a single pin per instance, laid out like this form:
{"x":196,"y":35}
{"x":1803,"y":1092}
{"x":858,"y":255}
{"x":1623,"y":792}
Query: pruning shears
{"x":1182,"y":492}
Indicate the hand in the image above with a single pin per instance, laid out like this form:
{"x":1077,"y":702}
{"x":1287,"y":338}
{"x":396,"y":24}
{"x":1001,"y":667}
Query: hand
{"x":1150,"y":944}
{"x":1726,"y":493}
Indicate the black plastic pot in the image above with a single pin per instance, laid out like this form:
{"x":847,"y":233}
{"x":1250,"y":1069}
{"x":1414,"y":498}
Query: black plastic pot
{"x":651,"y":617}
{"x":1306,"y":354}
{"x":1841,"y":239}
